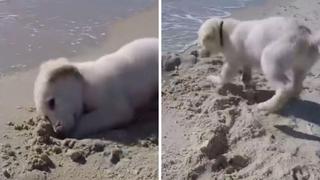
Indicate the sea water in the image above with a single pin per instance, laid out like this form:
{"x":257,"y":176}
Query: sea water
{"x":33,"y":31}
{"x":181,"y":19}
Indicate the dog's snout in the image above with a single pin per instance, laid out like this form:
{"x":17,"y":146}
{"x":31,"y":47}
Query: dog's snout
{"x":60,"y":133}
{"x":59,"y":130}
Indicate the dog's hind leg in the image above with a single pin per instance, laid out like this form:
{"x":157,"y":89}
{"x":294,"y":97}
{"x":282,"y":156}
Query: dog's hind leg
{"x":274,"y":69}
{"x":227,"y":73}
{"x":298,"y":77}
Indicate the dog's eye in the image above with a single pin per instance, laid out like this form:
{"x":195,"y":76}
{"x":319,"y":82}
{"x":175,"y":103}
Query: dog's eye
{"x":51,"y":104}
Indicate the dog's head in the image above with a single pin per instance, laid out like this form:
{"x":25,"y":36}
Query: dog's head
{"x":209,"y":37}
{"x":58,"y":94}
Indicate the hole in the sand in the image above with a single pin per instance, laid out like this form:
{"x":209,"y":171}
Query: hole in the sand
{"x":219,"y":163}
{"x":238,"y":162}
{"x":262,"y":95}
{"x":252,"y":96}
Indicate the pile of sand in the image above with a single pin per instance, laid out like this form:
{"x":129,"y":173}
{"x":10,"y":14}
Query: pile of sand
{"x":220,"y":134}
{"x":109,"y":155}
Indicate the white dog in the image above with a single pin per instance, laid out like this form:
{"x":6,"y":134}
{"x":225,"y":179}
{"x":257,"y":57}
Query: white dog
{"x":85,"y":97}
{"x":284,"y":49}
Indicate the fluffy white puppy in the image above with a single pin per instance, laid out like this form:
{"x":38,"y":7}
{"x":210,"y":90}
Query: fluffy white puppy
{"x":85,"y":97}
{"x":282,"y":47}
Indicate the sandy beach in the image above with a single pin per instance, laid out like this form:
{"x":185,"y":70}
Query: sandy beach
{"x":221,"y":135}
{"x":127,"y":153}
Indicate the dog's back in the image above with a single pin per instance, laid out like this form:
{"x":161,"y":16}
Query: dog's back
{"x":133,"y":70}
{"x":252,"y":37}
{"x":145,"y":49}
{"x":142,"y":56}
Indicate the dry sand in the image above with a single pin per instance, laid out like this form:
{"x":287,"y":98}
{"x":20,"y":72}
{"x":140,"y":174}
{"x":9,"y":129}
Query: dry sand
{"x":27,"y":151}
{"x":210,"y":134}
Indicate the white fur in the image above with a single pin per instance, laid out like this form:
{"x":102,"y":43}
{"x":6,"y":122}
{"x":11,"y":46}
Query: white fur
{"x":282,"y":47}
{"x":110,"y":89}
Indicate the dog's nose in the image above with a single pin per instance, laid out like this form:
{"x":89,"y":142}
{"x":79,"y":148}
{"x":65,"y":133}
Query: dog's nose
{"x":60,"y":132}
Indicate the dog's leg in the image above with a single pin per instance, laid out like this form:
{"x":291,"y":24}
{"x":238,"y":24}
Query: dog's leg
{"x":281,"y":97}
{"x":298,"y":77}
{"x":275,"y":72}
{"x":227,"y":73}
{"x":277,"y":101}
{"x":247,"y":77}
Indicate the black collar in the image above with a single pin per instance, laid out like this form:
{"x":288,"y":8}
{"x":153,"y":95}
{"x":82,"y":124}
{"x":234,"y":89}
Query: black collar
{"x":221,"y":33}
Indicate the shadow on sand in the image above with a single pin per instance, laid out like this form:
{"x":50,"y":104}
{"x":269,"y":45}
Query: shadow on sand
{"x":296,"y":134}
{"x":143,"y":127}
{"x":302,"y":109}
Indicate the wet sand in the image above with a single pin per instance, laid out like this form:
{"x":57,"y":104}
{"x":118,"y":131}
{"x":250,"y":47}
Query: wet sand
{"x":127,"y":153}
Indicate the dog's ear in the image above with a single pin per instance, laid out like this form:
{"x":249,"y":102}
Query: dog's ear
{"x":212,"y":32}
{"x":64,"y":71}
{"x":210,"y":36}
{"x":60,"y":68}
